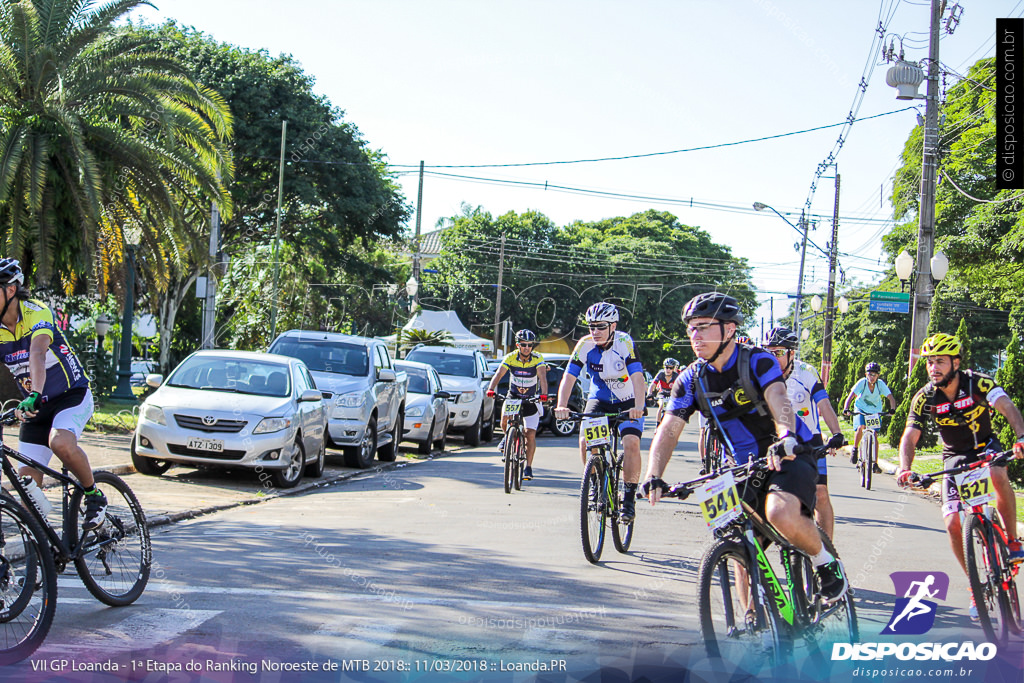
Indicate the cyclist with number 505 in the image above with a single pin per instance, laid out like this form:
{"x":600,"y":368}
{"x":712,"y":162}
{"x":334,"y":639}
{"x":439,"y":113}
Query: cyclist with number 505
{"x":742,"y":392}
{"x":617,"y":385}
{"x":961,"y":403}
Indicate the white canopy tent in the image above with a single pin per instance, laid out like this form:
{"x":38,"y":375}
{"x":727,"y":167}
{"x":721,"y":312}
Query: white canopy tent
{"x":436,"y":321}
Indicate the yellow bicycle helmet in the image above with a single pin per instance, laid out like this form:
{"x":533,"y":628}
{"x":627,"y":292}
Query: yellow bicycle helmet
{"x":941,"y":345}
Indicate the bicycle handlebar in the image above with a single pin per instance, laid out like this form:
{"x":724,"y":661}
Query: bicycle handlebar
{"x":614,"y":417}
{"x":990,"y":458}
{"x":884,"y":413}
{"x":530,"y":399}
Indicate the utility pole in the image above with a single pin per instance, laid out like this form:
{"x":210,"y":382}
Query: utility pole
{"x":497,"y":301}
{"x":277,"y":234}
{"x":805,"y":224}
{"x":923,"y":288}
{"x":830,"y":312}
{"x":416,"y":242}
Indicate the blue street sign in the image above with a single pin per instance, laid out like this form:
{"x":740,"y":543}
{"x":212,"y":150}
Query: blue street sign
{"x":889,"y":306}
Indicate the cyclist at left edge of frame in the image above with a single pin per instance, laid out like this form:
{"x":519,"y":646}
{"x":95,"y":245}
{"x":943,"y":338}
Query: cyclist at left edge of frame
{"x":57,"y":402}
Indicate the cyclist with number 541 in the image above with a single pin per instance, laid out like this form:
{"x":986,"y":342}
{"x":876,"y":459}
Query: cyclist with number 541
{"x":617,"y":385}
{"x":961,"y":403}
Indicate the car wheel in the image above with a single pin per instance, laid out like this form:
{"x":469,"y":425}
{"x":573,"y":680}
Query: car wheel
{"x":361,"y":456}
{"x":472,"y":435}
{"x":442,"y":443}
{"x":315,"y":469}
{"x":487,"y":432}
{"x":148,"y":466}
{"x":424,"y":448}
{"x":290,"y":476}
{"x":388,"y":452}
{"x":564,"y":427}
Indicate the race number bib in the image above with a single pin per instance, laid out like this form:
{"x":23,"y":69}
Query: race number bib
{"x":512,"y":407}
{"x":975,"y":486}
{"x":595,"y":431}
{"x":873,"y":421}
{"x":719,"y":502}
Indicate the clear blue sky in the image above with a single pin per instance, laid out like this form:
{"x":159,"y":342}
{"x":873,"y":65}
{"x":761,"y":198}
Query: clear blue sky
{"x":465,"y":82}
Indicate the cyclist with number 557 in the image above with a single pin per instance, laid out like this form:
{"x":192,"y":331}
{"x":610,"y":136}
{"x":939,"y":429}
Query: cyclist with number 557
{"x":961,"y":403}
{"x":617,"y":385}
{"x":741,"y":391}
{"x":527,"y":373}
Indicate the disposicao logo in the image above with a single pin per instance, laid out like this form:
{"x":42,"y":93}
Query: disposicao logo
{"x":914,"y":613}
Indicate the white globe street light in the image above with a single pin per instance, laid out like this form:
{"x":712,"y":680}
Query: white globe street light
{"x":816,"y":303}
{"x":844,"y":305}
{"x":904,"y":266}
{"x":940,"y":266}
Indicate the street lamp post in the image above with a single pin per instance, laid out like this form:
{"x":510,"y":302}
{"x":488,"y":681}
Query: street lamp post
{"x":123,"y":391}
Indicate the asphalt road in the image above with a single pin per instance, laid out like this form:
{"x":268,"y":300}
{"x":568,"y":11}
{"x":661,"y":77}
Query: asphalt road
{"x":430,"y":571}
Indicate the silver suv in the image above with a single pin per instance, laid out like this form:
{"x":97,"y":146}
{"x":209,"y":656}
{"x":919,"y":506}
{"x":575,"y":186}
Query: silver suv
{"x":464,"y":375}
{"x":367,"y":411}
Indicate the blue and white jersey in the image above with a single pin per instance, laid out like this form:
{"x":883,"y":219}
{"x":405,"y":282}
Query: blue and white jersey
{"x":805,"y":390}
{"x":609,"y":368}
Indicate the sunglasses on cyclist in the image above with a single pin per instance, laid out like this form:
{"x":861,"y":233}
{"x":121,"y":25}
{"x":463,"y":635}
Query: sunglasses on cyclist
{"x":780,"y":353}
{"x":600,"y":326}
{"x":528,"y":345}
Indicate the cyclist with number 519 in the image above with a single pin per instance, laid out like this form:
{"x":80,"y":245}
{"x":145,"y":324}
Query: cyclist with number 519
{"x":961,"y":403}
{"x":617,"y":385}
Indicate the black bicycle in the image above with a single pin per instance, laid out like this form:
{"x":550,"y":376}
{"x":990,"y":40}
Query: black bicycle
{"x":750,"y":611}
{"x":868,"y":458}
{"x":514,"y":451}
{"x":992,"y":576}
{"x":711,"y":451}
{"x":113,"y":560}
{"x":602,"y":488}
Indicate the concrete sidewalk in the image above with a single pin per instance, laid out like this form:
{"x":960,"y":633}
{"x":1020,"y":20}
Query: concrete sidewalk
{"x":185,"y":492}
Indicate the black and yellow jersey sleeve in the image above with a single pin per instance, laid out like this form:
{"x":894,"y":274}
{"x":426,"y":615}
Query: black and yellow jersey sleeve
{"x":64,"y":371}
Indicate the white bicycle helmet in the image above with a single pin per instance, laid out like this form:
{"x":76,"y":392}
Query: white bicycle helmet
{"x":602,"y":312}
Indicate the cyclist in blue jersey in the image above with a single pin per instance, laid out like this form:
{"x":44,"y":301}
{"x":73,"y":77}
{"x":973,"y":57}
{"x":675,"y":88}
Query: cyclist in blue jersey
{"x":742,"y":392}
{"x":57,"y":402}
{"x":616,"y":385}
{"x":868,"y":392}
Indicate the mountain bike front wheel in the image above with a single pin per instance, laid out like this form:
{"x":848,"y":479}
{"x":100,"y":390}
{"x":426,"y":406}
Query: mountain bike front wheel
{"x":508,"y":454}
{"x":981,"y":560}
{"x":114,"y":560}
{"x":28,"y":583}
{"x":593,"y":508}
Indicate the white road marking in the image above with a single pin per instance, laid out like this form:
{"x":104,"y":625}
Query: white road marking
{"x":139,"y":631}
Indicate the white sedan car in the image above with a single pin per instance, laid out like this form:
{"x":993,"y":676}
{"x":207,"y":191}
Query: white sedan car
{"x":234,"y":409}
{"x":426,"y":407}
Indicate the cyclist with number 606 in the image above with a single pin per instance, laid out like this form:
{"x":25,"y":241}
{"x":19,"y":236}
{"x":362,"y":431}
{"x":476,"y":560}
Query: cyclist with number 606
{"x":961,"y":403}
{"x":741,"y":391}
{"x":616,"y":386}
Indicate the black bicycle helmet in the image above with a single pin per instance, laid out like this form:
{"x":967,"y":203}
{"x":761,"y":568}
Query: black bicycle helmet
{"x":713,"y":305}
{"x":782,"y":336}
{"x":526,"y":336}
{"x":10,"y":272}
{"x":872,"y":367}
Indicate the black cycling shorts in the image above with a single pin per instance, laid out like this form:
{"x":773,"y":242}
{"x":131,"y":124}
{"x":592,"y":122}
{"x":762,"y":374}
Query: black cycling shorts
{"x":797,"y":477}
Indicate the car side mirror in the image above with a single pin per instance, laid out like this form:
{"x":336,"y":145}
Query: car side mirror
{"x":442,"y":394}
{"x":386,"y":375}
{"x":311,"y":395}
{"x":154,"y":380}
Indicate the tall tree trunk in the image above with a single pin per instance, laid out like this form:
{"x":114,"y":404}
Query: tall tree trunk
{"x":169,"y":305}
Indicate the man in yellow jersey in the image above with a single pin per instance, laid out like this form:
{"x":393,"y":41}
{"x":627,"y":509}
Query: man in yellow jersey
{"x":528,"y":372}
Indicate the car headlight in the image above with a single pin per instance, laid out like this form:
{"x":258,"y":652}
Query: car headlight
{"x":272,"y":424}
{"x":355,"y":400}
{"x":467,"y":397}
{"x":415,"y":411}
{"x":153,"y":414}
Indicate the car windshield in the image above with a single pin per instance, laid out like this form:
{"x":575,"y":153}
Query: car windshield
{"x":321,"y":355}
{"x":418,"y":383}
{"x":236,"y":375}
{"x":446,"y":363}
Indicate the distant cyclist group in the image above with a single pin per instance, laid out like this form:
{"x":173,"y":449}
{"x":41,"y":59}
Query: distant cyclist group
{"x":765,"y":408}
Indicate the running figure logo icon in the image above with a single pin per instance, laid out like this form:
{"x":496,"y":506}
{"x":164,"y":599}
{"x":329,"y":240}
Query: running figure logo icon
{"x":914,"y":613}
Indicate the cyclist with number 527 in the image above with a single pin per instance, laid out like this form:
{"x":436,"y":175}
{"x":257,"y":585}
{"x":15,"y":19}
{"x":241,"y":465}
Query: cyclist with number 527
{"x":616,"y":386}
{"x":961,"y":403}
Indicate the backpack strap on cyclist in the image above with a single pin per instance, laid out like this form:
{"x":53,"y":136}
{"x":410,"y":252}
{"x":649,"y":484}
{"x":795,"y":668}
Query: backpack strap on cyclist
{"x":747,"y":382}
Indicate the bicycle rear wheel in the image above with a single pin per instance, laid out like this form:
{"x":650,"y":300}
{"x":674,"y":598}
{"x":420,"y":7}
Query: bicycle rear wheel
{"x":735,"y":627}
{"x":622,"y":534}
{"x":593,"y":508}
{"x":28,"y":583}
{"x":870,"y":456}
{"x":113,"y":561}
{"x":509,"y":456}
{"x":981,"y":560}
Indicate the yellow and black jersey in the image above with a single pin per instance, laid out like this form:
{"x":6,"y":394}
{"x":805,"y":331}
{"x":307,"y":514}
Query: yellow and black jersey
{"x":965,"y":422}
{"x":522,"y":380}
{"x":63,"y":369}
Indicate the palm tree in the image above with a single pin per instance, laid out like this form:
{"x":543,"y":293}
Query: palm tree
{"x":408,"y":338}
{"x":100,"y":133}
